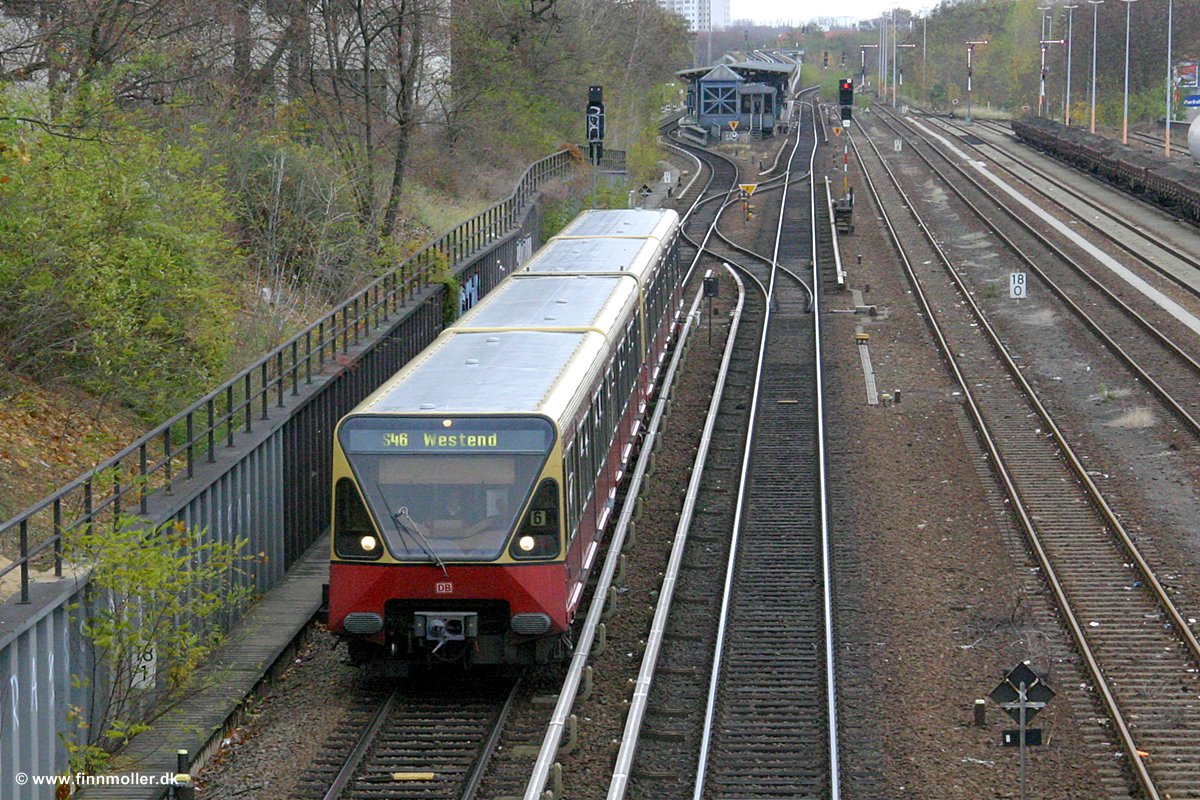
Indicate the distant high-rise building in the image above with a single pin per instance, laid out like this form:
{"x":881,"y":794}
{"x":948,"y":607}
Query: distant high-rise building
{"x":701,"y":15}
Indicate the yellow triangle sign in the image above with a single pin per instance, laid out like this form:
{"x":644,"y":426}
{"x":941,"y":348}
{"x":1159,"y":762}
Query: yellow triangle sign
{"x":748,"y":188}
{"x":733,"y":123}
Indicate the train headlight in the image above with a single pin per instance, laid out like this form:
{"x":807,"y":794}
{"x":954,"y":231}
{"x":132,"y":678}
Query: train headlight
{"x":358,"y":545}
{"x":538,"y":534}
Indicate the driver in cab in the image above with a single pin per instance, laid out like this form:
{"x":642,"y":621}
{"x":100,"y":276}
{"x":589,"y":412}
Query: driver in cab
{"x":462,"y":519}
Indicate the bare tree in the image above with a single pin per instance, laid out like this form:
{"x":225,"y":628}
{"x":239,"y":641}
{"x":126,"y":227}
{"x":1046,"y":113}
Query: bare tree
{"x":368,"y":76}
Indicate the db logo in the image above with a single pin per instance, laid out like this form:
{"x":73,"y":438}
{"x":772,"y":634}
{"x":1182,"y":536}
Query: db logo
{"x":444,"y":587}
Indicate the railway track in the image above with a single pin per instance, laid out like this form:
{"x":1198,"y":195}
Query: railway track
{"x":738,"y":732}
{"x":391,"y":762}
{"x":1152,"y":250}
{"x":1151,"y":142}
{"x":767,"y":700}
{"x":429,"y":740}
{"x":1138,"y":649}
{"x":1136,"y":327}
{"x":713,"y":198}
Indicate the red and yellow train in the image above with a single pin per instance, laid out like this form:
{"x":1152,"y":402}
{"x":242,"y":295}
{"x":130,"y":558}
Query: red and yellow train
{"x":472,"y":489}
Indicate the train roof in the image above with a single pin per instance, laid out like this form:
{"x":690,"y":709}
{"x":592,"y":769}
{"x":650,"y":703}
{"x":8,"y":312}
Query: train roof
{"x":526,"y":348}
{"x":635,"y":222}
{"x":535,"y":340}
{"x":561,"y":302}
{"x":499,"y":372}
{"x":595,"y":255}
{"x":616,"y":240}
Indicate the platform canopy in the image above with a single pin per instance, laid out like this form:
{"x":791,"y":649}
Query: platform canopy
{"x":756,"y":71}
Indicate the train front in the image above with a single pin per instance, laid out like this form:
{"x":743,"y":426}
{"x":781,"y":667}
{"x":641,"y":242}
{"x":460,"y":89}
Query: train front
{"x":446,"y":539}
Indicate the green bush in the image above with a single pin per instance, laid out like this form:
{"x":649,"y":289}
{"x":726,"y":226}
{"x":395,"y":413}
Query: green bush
{"x":150,"y":614}
{"x":115,"y":263}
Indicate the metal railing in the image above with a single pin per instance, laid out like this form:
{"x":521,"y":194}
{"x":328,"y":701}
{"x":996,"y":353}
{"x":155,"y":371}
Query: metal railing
{"x":157,"y":462}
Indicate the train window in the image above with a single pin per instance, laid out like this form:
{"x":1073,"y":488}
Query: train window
{"x":585,"y":460}
{"x":610,"y":414}
{"x":580,"y":475}
{"x":651,"y":305}
{"x":598,"y":449}
{"x":576,"y":489}
{"x":569,"y":471}
{"x":606,"y":402}
{"x":580,"y":480}
{"x":538,"y":536}
{"x":631,"y":360}
{"x":572,"y":513}
{"x":587,"y":478}
{"x":446,"y":491}
{"x":619,"y":369}
{"x":656,"y":300}
{"x":354,"y":533}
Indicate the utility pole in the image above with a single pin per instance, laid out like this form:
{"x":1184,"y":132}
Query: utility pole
{"x":1095,"y":4}
{"x":924,"y":61}
{"x":1070,"y":30}
{"x":1125,"y":112}
{"x":1170,"y":77}
{"x":898,"y":78}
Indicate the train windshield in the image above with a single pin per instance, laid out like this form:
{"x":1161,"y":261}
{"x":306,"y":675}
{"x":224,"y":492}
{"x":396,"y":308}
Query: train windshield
{"x":446,"y":488}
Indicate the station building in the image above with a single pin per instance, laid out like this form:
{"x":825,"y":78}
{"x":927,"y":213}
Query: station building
{"x":751,"y":93}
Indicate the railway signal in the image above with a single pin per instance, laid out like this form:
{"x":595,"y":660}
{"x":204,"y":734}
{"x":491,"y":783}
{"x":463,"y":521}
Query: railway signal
{"x":712,"y":288}
{"x":1044,"y":72}
{"x":595,"y":123}
{"x":846,"y":97}
{"x":971,"y":70}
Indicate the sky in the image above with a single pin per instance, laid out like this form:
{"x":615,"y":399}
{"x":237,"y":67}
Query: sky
{"x":797,"y":11}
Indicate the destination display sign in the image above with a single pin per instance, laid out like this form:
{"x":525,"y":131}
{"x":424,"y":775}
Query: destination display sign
{"x":419,"y":435}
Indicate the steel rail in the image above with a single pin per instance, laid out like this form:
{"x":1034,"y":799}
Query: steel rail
{"x":1110,"y":215}
{"x":835,"y":782}
{"x":566,"y":698}
{"x":739,"y":510}
{"x":1003,"y":474}
{"x":1127,"y":541}
{"x":548,"y":752}
{"x":769,"y":185}
{"x":1155,"y":387}
{"x":475,"y":778}
{"x":760,"y":257}
{"x":699,"y":168}
{"x":346,"y":773}
{"x":658,"y":626}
